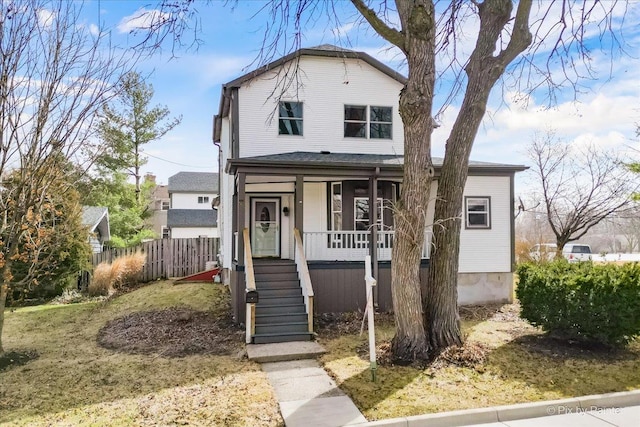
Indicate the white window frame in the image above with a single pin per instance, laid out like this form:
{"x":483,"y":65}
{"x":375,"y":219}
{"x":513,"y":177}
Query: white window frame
{"x":165,"y":232}
{"x":165,"y":205}
{"x":379,"y":206}
{"x":367,"y":122}
{"x":203,"y":199}
{"x":291,"y":119}
{"x":477,"y":200}
{"x":333,"y":207}
{"x":372,"y":122}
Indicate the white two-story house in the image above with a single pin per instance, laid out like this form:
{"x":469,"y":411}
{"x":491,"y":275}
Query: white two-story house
{"x":190,"y":213}
{"x":308,"y":144}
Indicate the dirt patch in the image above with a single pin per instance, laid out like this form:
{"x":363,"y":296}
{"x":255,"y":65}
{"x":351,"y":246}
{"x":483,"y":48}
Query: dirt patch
{"x":16,"y":358}
{"x":333,"y":325}
{"x":496,"y":312}
{"x":174,"y":332}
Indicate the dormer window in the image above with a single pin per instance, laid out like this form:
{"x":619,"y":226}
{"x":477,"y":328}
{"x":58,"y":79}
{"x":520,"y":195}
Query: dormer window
{"x":290,"y":118}
{"x":372,"y":122}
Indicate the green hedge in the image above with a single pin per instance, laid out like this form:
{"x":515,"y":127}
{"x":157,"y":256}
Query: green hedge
{"x":583,"y":300}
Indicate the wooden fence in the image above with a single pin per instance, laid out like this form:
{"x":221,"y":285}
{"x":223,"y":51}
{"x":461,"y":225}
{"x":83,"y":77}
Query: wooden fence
{"x":168,"y":257}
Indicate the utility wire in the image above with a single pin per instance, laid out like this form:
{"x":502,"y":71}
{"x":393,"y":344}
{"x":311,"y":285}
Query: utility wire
{"x":175,"y":163}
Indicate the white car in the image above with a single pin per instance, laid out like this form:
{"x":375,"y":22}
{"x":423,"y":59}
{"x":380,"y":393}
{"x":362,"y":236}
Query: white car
{"x":573,"y":252}
{"x":576,"y":252}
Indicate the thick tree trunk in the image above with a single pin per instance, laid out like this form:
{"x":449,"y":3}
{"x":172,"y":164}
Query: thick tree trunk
{"x":483,"y":70}
{"x":416,"y":102}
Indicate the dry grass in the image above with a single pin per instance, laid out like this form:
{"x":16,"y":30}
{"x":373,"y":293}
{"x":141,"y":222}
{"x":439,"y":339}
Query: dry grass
{"x":122,"y":272}
{"x":505,"y":361}
{"x":76,"y":382}
{"x":101,"y":281}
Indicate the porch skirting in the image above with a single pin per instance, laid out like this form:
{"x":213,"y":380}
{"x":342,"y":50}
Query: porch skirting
{"x":339,"y":287}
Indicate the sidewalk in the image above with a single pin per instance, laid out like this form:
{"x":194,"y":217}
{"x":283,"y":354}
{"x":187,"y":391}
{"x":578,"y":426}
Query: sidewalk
{"x":606,"y":410}
{"x":603,"y":417}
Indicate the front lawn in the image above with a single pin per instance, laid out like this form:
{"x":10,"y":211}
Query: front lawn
{"x":505,"y":361}
{"x":74,"y":381}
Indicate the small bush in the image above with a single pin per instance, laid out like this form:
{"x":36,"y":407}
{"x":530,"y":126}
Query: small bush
{"x":582,"y":300}
{"x":123,"y":271}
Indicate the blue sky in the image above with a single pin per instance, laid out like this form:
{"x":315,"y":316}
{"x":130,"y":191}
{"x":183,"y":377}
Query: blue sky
{"x":604,"y":112}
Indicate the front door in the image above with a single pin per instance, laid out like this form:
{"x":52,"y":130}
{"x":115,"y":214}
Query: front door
{"x":265,"y":227}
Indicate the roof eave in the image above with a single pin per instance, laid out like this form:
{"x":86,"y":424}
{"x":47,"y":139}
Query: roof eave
{"x":233,"y":164}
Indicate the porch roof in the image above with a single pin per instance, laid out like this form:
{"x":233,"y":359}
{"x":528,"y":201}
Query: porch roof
{"x":326,"y":163}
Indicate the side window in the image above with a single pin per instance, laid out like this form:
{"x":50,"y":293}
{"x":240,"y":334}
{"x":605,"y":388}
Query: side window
{"x":477,"y":212}
{"x":203,"y":199}
{"x":380,"y":122}
{"x":336,"y":206}
{"x":290,"y":118}
{"x":355,"y":121}
{"x":165,"y":233}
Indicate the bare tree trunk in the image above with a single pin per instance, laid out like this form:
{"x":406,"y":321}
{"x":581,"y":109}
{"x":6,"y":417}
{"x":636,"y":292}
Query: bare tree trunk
{"x":483,"y":70}
{"x":3,"y":298}
{"x":416,"y":100}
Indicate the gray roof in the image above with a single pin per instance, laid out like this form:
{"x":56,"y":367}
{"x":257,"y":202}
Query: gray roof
{"x":192,"y":218}
{"x":96,"y":218}
{"x":193,"y":182}
{"x":353,"y":160}
{"x":92,"y":215}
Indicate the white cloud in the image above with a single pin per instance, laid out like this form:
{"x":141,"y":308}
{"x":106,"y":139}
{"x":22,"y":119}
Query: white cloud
{"x":94,"y":30}
{"x":46,"y":17}
{"x":142,"y":19}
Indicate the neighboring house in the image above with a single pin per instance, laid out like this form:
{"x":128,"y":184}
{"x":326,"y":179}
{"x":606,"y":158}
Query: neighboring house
{"x":191,"y":213}
{"x":314,"y":155}
{"x":159,"y":206}
{"x":96,"y":219}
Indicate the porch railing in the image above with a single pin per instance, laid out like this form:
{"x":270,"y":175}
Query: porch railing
{"x":352,"y":245}
{"x":250,"y":285}
{"x":305,"y":278}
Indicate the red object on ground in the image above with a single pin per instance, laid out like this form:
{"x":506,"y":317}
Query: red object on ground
{"x":203,"y":276}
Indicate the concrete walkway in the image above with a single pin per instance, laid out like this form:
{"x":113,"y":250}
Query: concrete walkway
{"x":307,"y":396}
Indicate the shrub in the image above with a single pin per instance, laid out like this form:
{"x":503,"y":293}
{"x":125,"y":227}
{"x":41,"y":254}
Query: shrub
{"x":128,"y":270}
{"x":123,"y":271}
{"x":582,"y":300}
{"x":100,"y":283}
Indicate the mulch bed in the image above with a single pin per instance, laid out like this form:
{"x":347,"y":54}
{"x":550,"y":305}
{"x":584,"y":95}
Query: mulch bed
{"x":173,"y":332}
{"x":16,"y":358}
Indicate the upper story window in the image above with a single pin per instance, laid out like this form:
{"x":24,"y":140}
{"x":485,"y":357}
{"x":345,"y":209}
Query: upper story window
{"x":477,"y":212}
{"x":165,"y":205}
{"x":361,"y":121}
{"x":290,"y":118}
{"x":203,"y":199}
